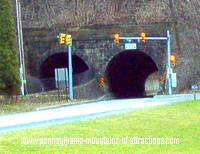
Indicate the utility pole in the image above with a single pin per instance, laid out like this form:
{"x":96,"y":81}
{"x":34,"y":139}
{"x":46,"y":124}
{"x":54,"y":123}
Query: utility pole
{"x":21,"y":49}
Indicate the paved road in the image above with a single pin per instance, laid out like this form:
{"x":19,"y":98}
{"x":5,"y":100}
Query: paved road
{"x":82,"y":112}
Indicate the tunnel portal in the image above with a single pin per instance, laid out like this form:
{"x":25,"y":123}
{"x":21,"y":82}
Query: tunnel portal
{"x":126,"y":73}
{"x":60,"y":60}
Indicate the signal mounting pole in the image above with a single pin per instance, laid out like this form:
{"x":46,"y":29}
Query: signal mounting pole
{"x":66,"y":39}
{"x":169,"y":70}
{"x":70,"y":70}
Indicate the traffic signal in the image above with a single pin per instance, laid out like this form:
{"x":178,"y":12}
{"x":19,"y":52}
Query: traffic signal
{"x":143,"y":37}
{"x":116,"y":38}
{"x":173,"y":60}
{"x":68,"y":39}
{"x":62,"y":38}
{"x":101,"y":81}
{"x":162,"y":79}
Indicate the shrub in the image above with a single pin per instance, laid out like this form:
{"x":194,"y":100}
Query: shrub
{"x":9,"y":77}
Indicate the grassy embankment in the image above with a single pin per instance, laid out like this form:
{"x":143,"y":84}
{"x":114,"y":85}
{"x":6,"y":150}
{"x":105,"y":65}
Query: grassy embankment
{"x":27,"y":105}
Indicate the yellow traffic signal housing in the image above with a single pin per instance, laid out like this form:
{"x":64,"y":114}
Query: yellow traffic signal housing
{"x":162,"y":79}
{"x":116,"y":38}
{"x":62,"y":38}
{"x":143,"y":37}
{"x":101,"y":81}
{"x":68,"y":39}
{"x":173,"y":60}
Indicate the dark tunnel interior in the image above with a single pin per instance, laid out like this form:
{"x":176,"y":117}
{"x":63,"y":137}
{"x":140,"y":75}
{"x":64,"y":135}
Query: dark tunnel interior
{"x":60,"y":60}
{"x":127,"y":72}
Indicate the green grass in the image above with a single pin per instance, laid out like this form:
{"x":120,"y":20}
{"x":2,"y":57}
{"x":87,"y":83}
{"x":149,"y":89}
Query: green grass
{"x":180,"y":120}
{"x":10,"y":108}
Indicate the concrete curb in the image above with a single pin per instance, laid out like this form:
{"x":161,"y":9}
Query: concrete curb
{"x":65,"y":104}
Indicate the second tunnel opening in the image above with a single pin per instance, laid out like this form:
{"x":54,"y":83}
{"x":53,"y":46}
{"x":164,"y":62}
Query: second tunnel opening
{"x":127,"y":72}
{"x":81,"y":71}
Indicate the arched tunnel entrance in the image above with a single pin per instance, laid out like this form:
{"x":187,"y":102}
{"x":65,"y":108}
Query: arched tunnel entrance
{"x":127,"y":72}
{"x":60,"y":60}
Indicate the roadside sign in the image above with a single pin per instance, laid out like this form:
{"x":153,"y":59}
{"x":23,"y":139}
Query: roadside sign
{"x":61,"y":77}
{"x":194,"y":87}
{"x":130,"y":46}
{"x":174,"y":80}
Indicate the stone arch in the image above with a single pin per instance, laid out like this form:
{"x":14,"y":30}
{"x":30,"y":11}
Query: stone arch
{"x":81,"y":71}
{"x":75,"y":52}
{"x":158,"y":59}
